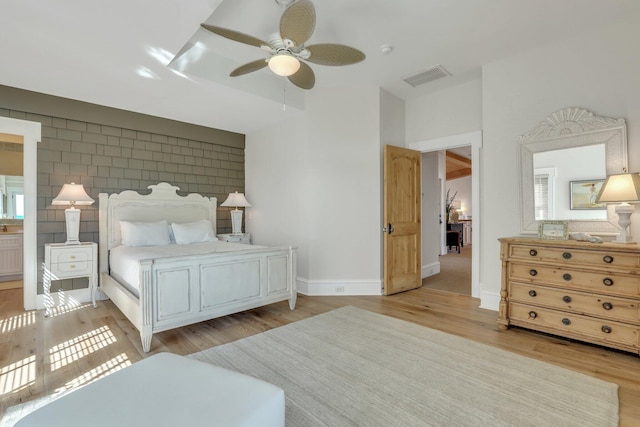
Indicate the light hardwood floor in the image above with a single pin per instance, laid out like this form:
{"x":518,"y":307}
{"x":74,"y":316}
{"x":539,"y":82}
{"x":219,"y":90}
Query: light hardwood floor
{"x":39,"y":355}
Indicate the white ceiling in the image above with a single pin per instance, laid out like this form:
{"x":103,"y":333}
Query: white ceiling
{"x":115,"y":53}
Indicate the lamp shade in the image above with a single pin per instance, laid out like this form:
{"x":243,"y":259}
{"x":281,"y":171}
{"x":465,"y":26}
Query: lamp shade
{"x":284,"y":64}
{"x":236,"y":200}
{"x":624,"y":187}
{"x":72,"y":194}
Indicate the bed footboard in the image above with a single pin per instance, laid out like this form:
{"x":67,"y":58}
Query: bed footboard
{"x":175,"y":292}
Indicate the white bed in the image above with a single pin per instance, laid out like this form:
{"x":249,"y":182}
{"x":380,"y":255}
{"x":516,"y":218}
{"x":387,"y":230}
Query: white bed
{"x":172,"y":285}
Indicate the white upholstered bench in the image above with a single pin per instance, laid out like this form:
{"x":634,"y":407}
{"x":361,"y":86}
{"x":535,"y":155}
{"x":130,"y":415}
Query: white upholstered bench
{"x":167,"y":390}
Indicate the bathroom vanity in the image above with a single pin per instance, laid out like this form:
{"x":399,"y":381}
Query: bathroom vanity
{"x":10,"y":255}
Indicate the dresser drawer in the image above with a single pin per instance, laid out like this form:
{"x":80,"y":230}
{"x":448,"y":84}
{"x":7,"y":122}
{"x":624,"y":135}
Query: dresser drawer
{"x":71,"y":254}
{"x":605,"y":332}
{"x":588,"y":281}
{"x":624,"y":310}
{"x":71,"y":269}
{"x":571,"y":256}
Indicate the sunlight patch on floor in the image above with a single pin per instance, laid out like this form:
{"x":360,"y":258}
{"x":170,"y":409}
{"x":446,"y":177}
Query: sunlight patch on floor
{"x":100,"y":371}
{"x":16,"y":322}
{"x":18,"y":375}
{"x":68,"y":308}
{"x":74,"y":349}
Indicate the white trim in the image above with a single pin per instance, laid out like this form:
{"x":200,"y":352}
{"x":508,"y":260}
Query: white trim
{"x":339,"y":287}
{"x":474,"y":139}
{"x":489,"y":300}
{"x":430,"y":269}
{"x":32,"y":133}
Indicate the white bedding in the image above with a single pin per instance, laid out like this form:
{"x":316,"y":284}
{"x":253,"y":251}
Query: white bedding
{"x":123,"y":260}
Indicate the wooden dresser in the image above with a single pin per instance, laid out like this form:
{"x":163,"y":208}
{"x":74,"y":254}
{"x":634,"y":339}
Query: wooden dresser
{"x":586,"y":291}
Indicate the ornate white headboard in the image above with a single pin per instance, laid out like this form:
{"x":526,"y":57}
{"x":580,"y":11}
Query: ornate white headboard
{"x":163,"y":203}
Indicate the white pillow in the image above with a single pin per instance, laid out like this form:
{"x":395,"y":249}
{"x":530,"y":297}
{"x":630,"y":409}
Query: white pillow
{"x":144,"y":233}
{"x":193,"y":232}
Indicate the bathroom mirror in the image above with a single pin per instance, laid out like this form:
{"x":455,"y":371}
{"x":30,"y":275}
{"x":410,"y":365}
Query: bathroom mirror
{"x":562,"y":162}
{"x":11,"y":181}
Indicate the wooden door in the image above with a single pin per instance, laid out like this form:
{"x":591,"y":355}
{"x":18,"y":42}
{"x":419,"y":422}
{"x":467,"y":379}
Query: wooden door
{"x":402,"y":233}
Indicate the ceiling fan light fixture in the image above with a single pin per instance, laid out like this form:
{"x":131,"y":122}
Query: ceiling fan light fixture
{"x":284,"y":64}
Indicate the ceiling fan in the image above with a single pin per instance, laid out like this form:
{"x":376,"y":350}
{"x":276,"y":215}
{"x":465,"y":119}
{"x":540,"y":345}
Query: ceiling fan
{"x":287,"y":48}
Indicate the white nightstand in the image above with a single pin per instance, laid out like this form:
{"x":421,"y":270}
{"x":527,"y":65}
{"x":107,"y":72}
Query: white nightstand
{"x":244,"y":238}
{"x":69,"y":262}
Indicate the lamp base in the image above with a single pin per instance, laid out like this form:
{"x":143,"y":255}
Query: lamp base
{"x":624,"y":211}
{"x":236,"y":221}
{"x":72,"y":219}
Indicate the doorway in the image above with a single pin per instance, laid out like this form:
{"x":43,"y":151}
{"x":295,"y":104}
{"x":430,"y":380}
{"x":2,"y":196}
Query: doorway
{"x":474,"y":140}
{"x":455,"y":232}
{"x":31,"y":133}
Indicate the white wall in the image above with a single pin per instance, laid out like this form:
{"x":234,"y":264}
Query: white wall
{"x":453,"y":111}
{"x":461,"y":187}
{"x":431,"y":217}
{"x":334,"y":156}
{"x":316,"y":184}
{"x":277,"y":187}
{"x":597,"y":71}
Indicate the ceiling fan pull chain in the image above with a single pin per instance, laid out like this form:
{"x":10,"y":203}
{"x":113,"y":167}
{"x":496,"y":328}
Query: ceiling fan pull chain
{"x":284,"y":94}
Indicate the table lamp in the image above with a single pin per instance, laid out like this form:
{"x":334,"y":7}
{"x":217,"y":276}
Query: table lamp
{"x":236,"y":200}
{"x":622,"y":188}
{"x":72,"y":194}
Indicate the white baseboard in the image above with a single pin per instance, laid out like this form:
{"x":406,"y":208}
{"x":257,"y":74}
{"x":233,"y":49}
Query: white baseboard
{"x":430,"y":269}
{"x":489,"y":300}
{"x":339,"y":287}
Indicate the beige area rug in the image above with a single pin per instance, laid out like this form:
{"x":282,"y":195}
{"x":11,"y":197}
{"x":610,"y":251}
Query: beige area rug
{"x":351,"y":367}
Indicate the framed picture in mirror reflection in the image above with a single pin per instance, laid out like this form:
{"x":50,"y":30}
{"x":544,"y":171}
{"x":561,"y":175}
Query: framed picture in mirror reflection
{"x":583,"y":194}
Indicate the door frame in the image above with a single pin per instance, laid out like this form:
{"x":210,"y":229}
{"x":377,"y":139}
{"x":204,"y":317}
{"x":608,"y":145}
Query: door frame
{"x":474,"y":139}
{"x":32,"y":134}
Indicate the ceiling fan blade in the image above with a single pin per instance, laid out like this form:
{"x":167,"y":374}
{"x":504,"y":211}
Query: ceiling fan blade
{"x":334,"y":54}
{"x":304,"y":78}
{"x":248,"y":68}
{"x":298,"y":22}
{"x":235,"y":35}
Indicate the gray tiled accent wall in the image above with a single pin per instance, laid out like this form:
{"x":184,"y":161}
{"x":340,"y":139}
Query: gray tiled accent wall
{"x":108,"y":159}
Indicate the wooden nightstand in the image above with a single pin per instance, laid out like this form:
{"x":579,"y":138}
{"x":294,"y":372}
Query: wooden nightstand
{"x":69,"y":262}
{"x":244,"y":238}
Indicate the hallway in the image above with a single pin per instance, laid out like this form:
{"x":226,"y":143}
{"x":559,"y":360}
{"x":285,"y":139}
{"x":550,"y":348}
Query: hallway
{"x":455,"y":273}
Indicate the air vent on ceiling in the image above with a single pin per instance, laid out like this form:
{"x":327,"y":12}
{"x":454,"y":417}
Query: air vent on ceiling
{"x":426,"y":76}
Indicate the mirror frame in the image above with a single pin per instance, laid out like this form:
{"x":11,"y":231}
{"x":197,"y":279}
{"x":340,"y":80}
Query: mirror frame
{"x":567,"y":128}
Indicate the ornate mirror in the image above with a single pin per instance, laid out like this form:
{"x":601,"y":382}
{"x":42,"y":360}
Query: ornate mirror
{"x":563,"y":162}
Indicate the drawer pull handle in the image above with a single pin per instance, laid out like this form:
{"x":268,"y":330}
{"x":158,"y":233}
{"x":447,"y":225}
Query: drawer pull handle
{"x":606,"y":329}
{"x":566,"y":299}
{"x":566,"y":322}
{"x":72,"y":266}
{"x":533,"y":293}
{"x":607,"y":305}
{"x":73,"y":257}
{"x":533,"y":272}
{"x":608,"y":259}
{"x":533,"y":252}
{"x":533,"y":315}
{"x":607,"y":281}
{"x":566,"y":276}
{"x":566,"y":255}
